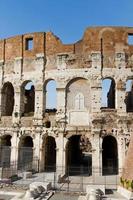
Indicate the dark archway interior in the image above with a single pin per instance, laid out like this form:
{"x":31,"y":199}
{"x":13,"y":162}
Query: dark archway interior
{"x":129,"y":100}
{"x":27,"y":142}
{"x":111,"y":95}
{"x":25,"y":154}
{"x":7,"y":99}
{"x":29,"y":100}
{"x":50,"y":154}
{"x":109,"y":156}
{"x":6,"y":140}
{"x":5,"y":151}
{"x":78,"y":162}
{"x":129,"y":104}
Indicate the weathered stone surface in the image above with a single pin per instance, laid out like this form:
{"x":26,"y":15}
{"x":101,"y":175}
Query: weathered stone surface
{"x":78,"y":69}
{"x":27,"y":175}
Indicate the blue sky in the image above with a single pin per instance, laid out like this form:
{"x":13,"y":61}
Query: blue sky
{"x":66,"y":18}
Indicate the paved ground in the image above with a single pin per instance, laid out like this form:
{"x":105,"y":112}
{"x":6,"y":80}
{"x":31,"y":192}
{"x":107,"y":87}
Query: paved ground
{"x":72,"y":183}
{"x":62,"y":196}
{"x":75,"y":184}
{"x":110,"y":195}
{"x":5,"y":197}
{"x":113,"y":194}
{"x":79,"y":183}
{"x":41,"y":177}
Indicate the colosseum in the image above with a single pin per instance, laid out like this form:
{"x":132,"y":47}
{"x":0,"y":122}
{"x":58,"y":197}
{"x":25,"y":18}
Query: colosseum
{"x":89,"y":129}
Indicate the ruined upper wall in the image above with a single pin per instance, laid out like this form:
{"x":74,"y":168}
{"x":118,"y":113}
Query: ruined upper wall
{"x":16,"y":46}
{"x":105,"y":40}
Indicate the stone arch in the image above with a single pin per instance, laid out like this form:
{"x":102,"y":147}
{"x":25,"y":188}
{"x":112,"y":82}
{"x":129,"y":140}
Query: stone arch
{"x":109,"y":155}
{"x":25,"y":153}
{"x":108,"y":32}
{"x":50,"y":95}
{"x":49,"y":154}
{"x":73,"y":79}
{"x":108,"y":92}
{"x":107,"y":41}
{"x":78,"y":155}
{"x":27,"y":98}
{"x":7,"y":101}
{"x":74,"y":87}
{"x":5,"y":150}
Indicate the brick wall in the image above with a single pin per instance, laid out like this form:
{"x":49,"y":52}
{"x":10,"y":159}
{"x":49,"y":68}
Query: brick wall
{"x":114,"y":39}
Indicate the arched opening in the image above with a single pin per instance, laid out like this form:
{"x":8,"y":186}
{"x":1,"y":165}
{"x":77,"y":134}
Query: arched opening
{"x":50,"y":95}
{"x":49,"y":153}
{"x":129,"y":95}
{"x":7,"y":101}
{"x":5,"y":151}
{"x":25,"y":153}
{"x":79,"y":156}
{"x":27,"y":99}
{"x":108,"y":93}
{"x":50,"y":103}
{"x":109,"y":156}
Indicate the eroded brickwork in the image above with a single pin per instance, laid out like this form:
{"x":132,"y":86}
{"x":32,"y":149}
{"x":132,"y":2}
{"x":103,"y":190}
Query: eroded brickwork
{"x":79,"y":70}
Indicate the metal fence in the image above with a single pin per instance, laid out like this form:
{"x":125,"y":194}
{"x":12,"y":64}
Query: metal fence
{"x":72,"y":179}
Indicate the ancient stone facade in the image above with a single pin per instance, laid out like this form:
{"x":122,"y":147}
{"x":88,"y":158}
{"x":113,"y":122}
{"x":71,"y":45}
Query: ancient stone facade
{"x":79,"y":131}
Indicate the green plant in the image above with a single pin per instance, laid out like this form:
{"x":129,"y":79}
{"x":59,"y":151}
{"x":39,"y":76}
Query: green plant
{"x":122,"y":181}
{"x":132,"y":185}
{"x":128,"y":184}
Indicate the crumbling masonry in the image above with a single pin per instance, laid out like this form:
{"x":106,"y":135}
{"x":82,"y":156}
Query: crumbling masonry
{"x":79,"y":131}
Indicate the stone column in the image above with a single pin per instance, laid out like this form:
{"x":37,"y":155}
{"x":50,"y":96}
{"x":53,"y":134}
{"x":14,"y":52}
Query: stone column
{"x":41,"y":155}
{"x":39,"y":95}
{"x":96,"y":83}
{"x":120,"y":96}
{"x":14,"y":150}
{"x":61,"y":101}
{"x":96,"y":91}
{"x":36,"y":156}
{"x":39,"y":107}
{"x":123,"y":140}
{"x":120,"y":63}
{"x":17,"y":101}
{"x":17,"y":90}
{"x":61,"y":154}
{"x":96,"y":154}
{"x":121,"y":153}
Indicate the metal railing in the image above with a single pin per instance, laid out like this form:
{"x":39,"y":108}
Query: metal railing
{"x":72,"y":179}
